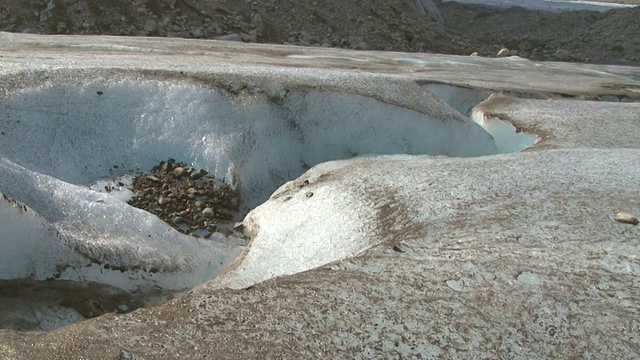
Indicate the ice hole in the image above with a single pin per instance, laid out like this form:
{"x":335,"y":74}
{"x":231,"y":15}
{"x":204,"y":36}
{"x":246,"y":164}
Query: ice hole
{"x":507,"y":137}
{"x":58,"y":142}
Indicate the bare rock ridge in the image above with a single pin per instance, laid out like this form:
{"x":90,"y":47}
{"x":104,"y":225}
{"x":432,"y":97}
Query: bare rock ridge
{"x":581,"y":36}
{"x":408,"y":25}
{"x":428,"y":7}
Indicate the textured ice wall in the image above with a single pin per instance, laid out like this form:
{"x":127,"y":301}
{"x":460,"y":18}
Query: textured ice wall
{"x":77,"y":133}
{"x":83,"y":235}
{"x":54,"y":141}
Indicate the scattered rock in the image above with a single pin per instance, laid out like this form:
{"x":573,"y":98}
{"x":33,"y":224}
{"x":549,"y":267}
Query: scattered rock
{"x":179,"y":171}
{"x":561,"y":55}
{"x":399,"y":248}
{"x":627,"y":218}
{"x":306,"y":37}
{"x":150,"y":25}
{"x":90,"y":308}
{"x":190,"y":200}
{"x":208,"y":213}
{"x":197,"y":33}
{"x":503,"y":52}
{"x":360,"y":46}
{"x":178,"y":220}
{"x":229,"y":37}
{"x":198,"y":174}
{"x":609,"y":98}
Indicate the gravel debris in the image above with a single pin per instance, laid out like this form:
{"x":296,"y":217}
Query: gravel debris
{"x":190,"y":200}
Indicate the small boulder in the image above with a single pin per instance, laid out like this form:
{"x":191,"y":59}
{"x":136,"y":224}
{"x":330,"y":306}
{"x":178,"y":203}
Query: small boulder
{"x":208,"y":213}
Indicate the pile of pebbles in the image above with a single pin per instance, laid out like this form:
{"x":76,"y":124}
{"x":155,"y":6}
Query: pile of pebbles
{"x":191,"y":200}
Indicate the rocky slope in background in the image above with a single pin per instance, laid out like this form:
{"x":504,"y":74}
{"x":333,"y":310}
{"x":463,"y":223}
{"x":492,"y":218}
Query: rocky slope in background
{"x":398,"y":25}
{"x":601,"y":37}
{"x":378,"y":24}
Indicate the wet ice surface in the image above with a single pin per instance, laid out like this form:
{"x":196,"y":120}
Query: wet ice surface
{"x":60,"y":146}
{"x":29,"y":305}
{"x":548,"y":5}
{"x":508,"y":138}
{"x":634,"y":76}
{"x":419,"y":62}
{"x":327,"y":57}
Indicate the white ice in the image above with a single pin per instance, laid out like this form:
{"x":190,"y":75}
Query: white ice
{"x":71,"y":232}
{"x":59,"y":144}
